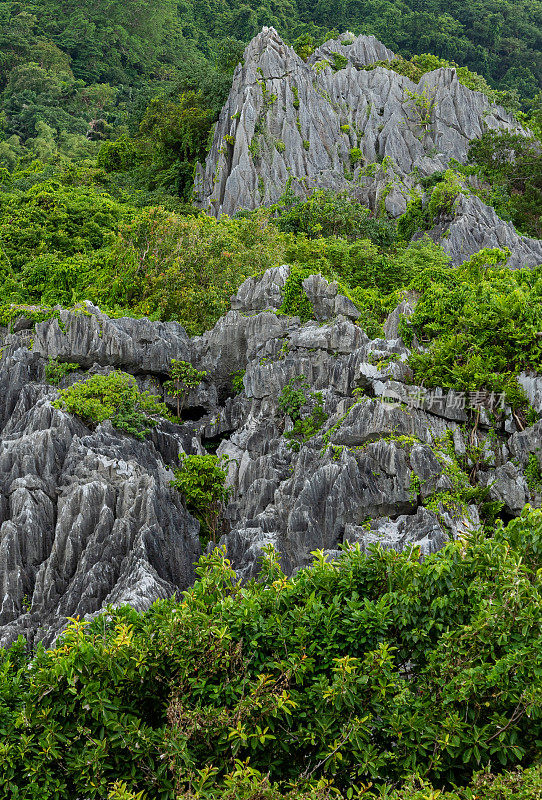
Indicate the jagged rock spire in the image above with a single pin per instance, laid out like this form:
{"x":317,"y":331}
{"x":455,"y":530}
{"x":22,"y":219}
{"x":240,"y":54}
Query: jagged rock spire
{"x":372,"y":133}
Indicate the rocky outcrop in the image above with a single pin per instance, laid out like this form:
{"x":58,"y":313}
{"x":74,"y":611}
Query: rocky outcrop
{"x":370,"y":132}
{"x":476,"y":225}
{"x":88,"y":517}
{"x":287,"y":118}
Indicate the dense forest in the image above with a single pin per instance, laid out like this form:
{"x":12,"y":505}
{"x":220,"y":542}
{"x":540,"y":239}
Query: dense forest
{"x":383,"y":677}
{"x":73,"y":75}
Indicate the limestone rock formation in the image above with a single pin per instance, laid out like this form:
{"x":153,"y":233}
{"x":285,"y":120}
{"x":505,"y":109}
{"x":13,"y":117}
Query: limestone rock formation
{"x":476,"y":225}
{"x":88,"y":517}
{"x":370,"y":132}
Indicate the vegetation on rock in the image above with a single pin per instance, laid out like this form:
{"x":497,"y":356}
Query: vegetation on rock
{"x":202,"y":482}
{"x":113,"y":397}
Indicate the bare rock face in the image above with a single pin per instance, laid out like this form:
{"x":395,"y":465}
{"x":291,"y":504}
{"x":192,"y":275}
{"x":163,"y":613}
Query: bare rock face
{"x":476,"y":225}
{"x":88,"y":517}
{"x":370,"y":132}
{"x":343,"y":130}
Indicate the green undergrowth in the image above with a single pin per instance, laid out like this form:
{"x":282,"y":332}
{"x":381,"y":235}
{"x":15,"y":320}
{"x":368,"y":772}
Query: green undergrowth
{"x":202,"y":482}
{"x":479,"y":322}
{"x":305,"y":409}
{"x":56,"y":370}
{"x":295,"y":301}
{"x":113,"y":397}
{"x":343,"y":681}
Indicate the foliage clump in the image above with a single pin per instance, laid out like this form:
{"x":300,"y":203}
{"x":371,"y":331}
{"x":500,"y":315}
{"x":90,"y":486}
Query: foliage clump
{"x":511,"y":167}
{"x":305,"y":409}
{"x":56,"y":370}
{"x":184,"y":378}
{"x":237,"y":381}
{"x":295,"y":301}
{"x":115,"y":397}
{"x":202,"y":482}
{"x":533,"y":473}
{"x":330,"y":214}
{"x":357,"y":677}
{"x":478,"y":323}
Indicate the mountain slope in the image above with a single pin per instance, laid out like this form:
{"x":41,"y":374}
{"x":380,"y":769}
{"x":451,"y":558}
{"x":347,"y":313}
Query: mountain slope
{"x":370,"y":132}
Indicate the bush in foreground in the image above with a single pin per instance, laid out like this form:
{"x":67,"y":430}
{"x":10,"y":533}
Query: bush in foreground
{"x":354,"y":673}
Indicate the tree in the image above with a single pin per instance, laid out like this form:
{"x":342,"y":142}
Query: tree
{"x":184,"y":378}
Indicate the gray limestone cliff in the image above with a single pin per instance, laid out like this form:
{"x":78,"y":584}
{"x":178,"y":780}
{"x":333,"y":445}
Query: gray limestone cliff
{"x":88,"y":517}
{"x":370,"y":132}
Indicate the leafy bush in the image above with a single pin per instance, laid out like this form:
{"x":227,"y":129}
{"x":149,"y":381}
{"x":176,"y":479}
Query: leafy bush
{"x":237,"y":381}
{"x":480,"y":322}
{"x":202,"y":482}
{"x":356,"y":672}
{"x":55,"y":218}
{"x":116,"y":156}
{"x":295,"y":302}
{"x":306,"y":410}
{"x":417,"y":66}
{"x":114,"y":397}
{"x":293,"y":397}
{"x":326,"y":213}
{"x":56,"y":370}
{"x":533,"y":473}
{"x":184,"y":268}
{"x":338,"y":62}
{"x":422,"y":213}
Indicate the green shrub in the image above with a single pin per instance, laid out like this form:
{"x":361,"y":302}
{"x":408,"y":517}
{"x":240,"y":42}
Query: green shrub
{"x":202,"y":482}
{"x":329,"y":214}
{"x":533,"y":473}
{"x":363,"y":671}
{"x":293,"y":397}
{"x":56,"y":370}
{"x":237,"y":381}
{"x":511,"y":165}
{"x":338,"y":62}
{"x":114,"y":397}
{"x":306,"y":410}
{"x":356,"y":156}
{"x":309,"y":424}
{"x":295,"y":302}
{"x":184,"y":378}
{"x":422,"y":213}
{"x":184,"y":268}
{"x":480,"y":322}
{"x":116,"y":156}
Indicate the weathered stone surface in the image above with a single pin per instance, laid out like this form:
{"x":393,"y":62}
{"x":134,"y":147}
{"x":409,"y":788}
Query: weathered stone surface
{"x":88,"y":517}
{"x":532,"y":386}
{"x":261,"y":294}
{"x":477,"y":225}
{"x":422,"y":529}
{"x":290,"y":120}
{"x":89,"y":337}
{"x":507,"y":485}
{"x":316,"y":116}
{"x":523,"y":443}
{"x":361,"y":51}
